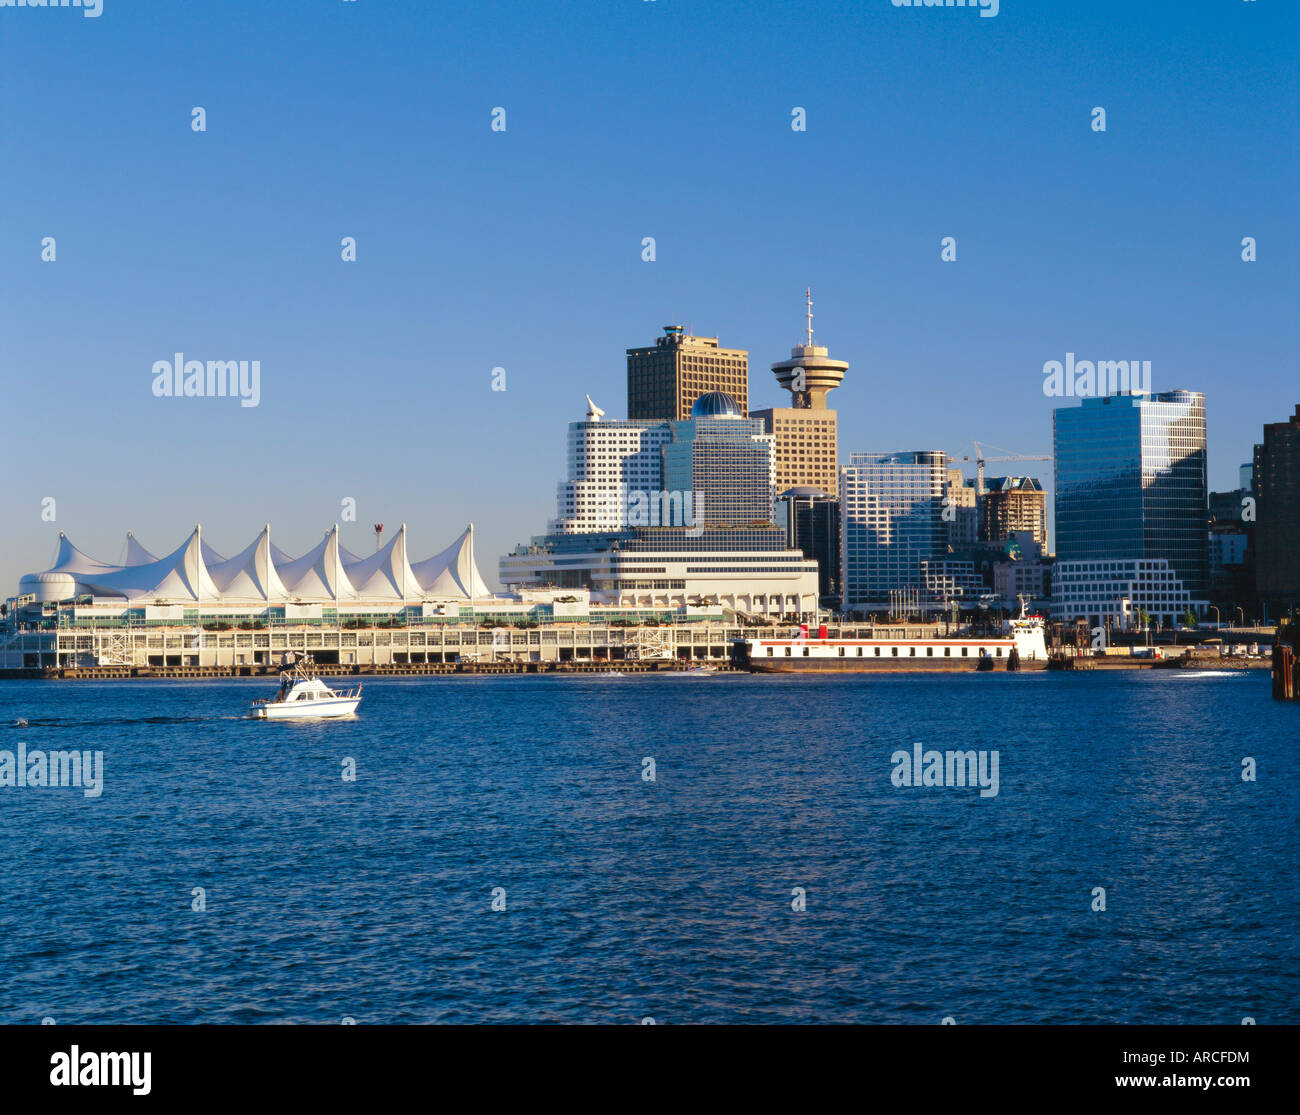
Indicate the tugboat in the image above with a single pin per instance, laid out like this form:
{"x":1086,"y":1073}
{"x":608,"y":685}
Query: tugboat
{"x":302,"y":695}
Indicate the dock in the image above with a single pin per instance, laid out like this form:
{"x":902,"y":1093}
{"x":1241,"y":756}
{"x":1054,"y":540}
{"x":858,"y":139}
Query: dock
{"x":1286,"y":661}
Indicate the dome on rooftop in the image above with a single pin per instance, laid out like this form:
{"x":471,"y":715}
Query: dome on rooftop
{"x":716,"y":404}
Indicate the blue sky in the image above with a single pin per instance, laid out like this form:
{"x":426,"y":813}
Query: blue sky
{"x":522,"y":249}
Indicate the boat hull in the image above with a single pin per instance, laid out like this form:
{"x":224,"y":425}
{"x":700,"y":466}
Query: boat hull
{"x":897,"y":666}
{"x":1021,"y":648}
{"x":307,"y":710}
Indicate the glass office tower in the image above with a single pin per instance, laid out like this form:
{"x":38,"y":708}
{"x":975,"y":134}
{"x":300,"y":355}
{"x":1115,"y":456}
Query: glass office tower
{"x":725,"y":459}
{"x":1131,"y":484}
{"x":891,"y":520}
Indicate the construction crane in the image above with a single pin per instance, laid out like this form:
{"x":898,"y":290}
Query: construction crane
{"x":980,"y":458}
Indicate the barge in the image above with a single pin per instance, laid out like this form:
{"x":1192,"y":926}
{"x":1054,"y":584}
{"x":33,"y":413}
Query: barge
{"x":1021,"y":646}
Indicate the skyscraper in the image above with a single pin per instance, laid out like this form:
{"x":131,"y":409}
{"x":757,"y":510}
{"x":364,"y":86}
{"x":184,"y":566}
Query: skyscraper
{"x":806,"y":432}
{"x":812,"y":525}
{"x":611,"y":464}
{"x":664,"y":380}
{"x":961,"y":511}
{"x":725,"y":460}
{"x":891,"y":521}
{"x":1277,"y":529}
{"x":1131,"y":507}
{"x":670,"y":515}
{"x":1013,"y":503}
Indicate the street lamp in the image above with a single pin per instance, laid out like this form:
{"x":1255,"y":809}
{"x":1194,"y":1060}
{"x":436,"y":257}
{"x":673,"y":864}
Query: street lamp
{"x":1214,"y":608}
{"x":1243,"y":615}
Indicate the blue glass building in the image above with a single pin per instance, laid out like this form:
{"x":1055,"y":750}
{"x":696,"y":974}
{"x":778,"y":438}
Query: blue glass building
{"x":891,"y":523}
{"x":725,"y":460}
{"x":1131,"y":506}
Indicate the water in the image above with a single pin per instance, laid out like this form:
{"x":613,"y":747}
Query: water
{"x":625,"y":898}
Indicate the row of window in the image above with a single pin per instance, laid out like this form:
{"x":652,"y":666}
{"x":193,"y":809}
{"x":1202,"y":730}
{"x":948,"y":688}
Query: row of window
{"x":929,"y":652}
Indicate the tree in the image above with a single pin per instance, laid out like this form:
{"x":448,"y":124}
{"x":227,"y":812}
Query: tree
{"x":1189,"y":618}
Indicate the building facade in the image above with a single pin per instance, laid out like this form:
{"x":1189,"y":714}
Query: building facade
{"x":953,"y":579}
{"x":891,"y":520}
{"x":1131,"y":507}
{"x":1277,"y":527}
{"x":723,"y":462}
{"x":1029,"y":579}
{"x":806,"y":447}
{"x":812,"y":524}
{"x":698,"y":532}
{"x":1013,"y":504}
{"x":665,"y":379}
{"x":609,"y":462}
{"x":748,"y":571}
{"x":961,"y":511}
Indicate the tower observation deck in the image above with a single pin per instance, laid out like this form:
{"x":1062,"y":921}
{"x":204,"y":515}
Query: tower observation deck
{"x":820,"y":374}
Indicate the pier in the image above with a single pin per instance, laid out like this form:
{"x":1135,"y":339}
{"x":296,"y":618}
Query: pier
{"x":430,"y":650}
{"x":1286,"y":661}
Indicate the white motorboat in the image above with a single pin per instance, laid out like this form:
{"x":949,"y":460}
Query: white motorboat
{"x":302,"y":695}
{"x":705,"y":671}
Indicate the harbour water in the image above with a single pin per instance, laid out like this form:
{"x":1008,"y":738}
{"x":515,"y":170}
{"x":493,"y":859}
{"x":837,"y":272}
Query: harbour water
{"x":672,"y":899}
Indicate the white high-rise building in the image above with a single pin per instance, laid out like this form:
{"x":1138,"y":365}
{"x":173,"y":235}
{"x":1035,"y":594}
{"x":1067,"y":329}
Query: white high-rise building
{"x":665,"y":515}
{"x":607,"y":462}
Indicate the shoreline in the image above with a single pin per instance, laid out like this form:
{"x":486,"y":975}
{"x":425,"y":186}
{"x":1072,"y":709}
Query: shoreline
{"x":597,"y":669}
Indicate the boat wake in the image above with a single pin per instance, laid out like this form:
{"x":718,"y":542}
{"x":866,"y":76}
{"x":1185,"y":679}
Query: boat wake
{"x":72,"y":722}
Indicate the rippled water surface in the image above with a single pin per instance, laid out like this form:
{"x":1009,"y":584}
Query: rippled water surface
{"x":626,"y":898}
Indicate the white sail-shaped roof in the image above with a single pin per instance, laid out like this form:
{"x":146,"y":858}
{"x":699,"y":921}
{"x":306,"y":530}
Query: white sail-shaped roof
{"x":263,"y":573}
{"x":385,"y":575}
{"x":181,"y":575}
{"x":250,"y":575}
{"x":452,"y":574}
{"x":135,"y":553}
{"x":316,"y":576}
{"x":72,"y":561}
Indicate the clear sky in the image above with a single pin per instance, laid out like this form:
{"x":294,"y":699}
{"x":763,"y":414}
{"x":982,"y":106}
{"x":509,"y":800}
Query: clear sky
{"x":522,"y":249}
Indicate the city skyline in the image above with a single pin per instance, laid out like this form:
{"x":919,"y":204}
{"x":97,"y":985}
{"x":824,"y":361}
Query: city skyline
{"x":523,"y":249}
